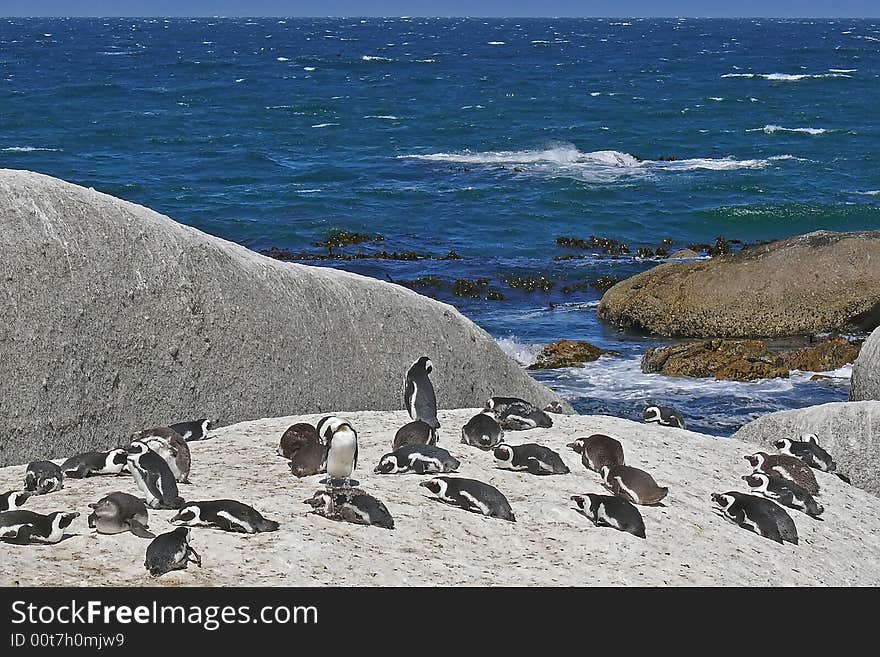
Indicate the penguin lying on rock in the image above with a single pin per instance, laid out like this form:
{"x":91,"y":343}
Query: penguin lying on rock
{"x":611,"y":511}
{"x":228,"y":515}
{"x":171,"y":551}
{"x":351,"y":505}
{"x":757,"y":514}
{"x":24,"y":526}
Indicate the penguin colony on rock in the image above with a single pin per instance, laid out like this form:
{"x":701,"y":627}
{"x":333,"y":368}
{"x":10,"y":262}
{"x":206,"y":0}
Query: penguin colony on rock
{"x":159,"y":458}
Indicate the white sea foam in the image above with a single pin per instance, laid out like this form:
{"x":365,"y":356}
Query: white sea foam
{"x":873,"y":192}
{"x":28,"y":149}
{"x":773,"y":129}
{"x":385,"y":117}
{"x":496,"y":43}
{"x":324,"y":125}
{"x":786,"y":77}
{"x":282,"y":59}
{"x":375,"y":58}
{"x":597,"y":166}
{"x":843,"y":70}
{"x":309,"y":68}
{"x":717,"y":99}
{"x":524,"y":354}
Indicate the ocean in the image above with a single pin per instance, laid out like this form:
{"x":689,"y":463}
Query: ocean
{"x":487,"y":137}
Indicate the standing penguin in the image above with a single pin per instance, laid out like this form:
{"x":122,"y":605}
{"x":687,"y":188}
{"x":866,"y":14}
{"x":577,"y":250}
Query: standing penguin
{"x":533,"y":458}
{"x":193,"y":430}
{"x":120,"y":512}
{"x":664,"y":416}
{"x":787,"y":467}
{"x":43,"y":477}
{"x":597,"y":451}
{"x":153,"y":477}
{"x":632,"y":484}
{"x":807,"y":450}
{"x":415,"y":433}
{"x":611,"y":511}
{"x":228,"y":515}
{"x":342,"y":451}
{"x":23,"y":526}
{"x":13,"y":500}
{"x":786,"y":492}
{"x":757,"y":514}
{"x":95,"y":463}
{"x":171,"y":551}
{"x":171,"y":446}
{"x":482,"y":431}
{"x":418,"y":393}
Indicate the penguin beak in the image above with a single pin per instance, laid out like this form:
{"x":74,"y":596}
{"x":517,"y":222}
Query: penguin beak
{"x":424,"y":484}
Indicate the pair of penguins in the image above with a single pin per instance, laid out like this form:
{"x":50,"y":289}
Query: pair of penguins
{"x":781,"y":480}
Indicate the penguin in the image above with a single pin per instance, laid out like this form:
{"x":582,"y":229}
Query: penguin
{"x":418,"y":459}
{"x":351,"y":505}
{"x":785,"y":492}
{"x":611,"y":511}
{"x":193,"y":430}
{"x":43,"y":477}
{"x":418,"y":393}
{"x":632,"y":484}
{"x":471,"y":495}
{"x":807,"y":450}
{"x":120,"y":512}
{"x":153,"y":477}
{"x":787,"y":467}
{"x":532,"y":458}
{"x":305,"y":449}
{"x":598,"y":450}
{"x":482,"y":431}
{"x":342,"y":450}
{"x":171,"y":446}
{"x":171,"y":551}
{"x":228,"y":515}
{"x":23,"y":526}
{"x":95,"y":463}
{"x":415,"y":433}
{"x":553,"y":407}
{"x":664,"y":416}
{"x":515,"y":414}
{"x":13,"y":500}
{"x":757,"y":514}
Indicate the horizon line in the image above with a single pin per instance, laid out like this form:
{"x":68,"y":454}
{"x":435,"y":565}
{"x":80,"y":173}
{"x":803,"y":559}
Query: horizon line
{"x":679,"y":17}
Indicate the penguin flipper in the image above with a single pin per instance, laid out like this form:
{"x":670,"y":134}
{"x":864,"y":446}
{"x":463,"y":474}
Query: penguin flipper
{"x":190,"y":553}
{"x":139,"y":530}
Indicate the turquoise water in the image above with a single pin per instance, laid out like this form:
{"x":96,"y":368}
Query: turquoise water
{"x":489,"y":137}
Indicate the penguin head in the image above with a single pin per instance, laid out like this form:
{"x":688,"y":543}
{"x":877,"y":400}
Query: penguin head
{"x":62,"y":520}
{"x":189,"y":514}
{"x":387,"y":465}
{"x":490,"y":405}
{"x":810,"y":438}
{"x":757,"y":480}
{"x":182,"y":533}
{"x":723,"y":500}
{"x":320,"y":501}
{"x":16,"y":499}
{"x":503,"y":453}
{"x":577,"y":445}
{"x":436,"y":486}
{"x":783,"y":444}
{"x":103,"y":507}
{"x":580,"y":501}
{"x":651,"y":414}
{"x":137,"y":448}
{"x":756,"y":460}
{"x":426,"y":364}
{"x":605,"y":473}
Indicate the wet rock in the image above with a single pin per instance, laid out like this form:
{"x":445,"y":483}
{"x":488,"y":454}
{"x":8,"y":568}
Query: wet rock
{"x":604,"y":244}
{"x":473,"y":289}
{"x":728,"y":360}
{"x":569,"y":353}
{"x":340,"y":238}
{"x":530,"y":283}
{"x":683,"y":254}
{"x":828,"y":355}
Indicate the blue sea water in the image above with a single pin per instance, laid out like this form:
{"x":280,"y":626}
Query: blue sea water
{"x":489,"y":137}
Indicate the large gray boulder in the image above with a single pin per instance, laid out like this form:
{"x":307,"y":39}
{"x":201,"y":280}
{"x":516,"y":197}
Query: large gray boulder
{"x":866,"y":370}
{"x":849,"y":431}
{"x":819,"y":282}
{"x":116,"y":318}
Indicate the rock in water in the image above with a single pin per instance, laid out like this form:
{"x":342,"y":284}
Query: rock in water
{"x":822,"y":281}
{"x":117,"y":318}
{"x":569,"y":353}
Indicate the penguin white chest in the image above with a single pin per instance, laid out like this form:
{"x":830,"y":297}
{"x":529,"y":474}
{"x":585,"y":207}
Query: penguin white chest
{"x":342,"y":457}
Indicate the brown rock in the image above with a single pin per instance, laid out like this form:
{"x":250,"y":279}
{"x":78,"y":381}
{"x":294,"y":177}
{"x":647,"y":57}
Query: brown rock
{"x":683,"y":254}
{"x":822,"y":281}
{"x":827,"y":355}
{"x":729,"y":360}
{"x":568,"y":353}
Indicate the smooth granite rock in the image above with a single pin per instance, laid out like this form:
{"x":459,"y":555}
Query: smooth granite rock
{"x":866,"y":370}
{"x":117,"y":318}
